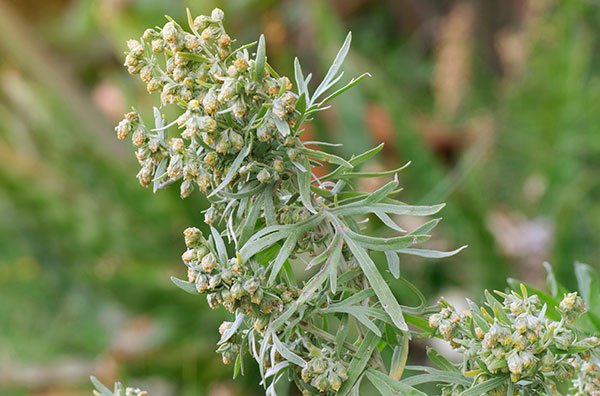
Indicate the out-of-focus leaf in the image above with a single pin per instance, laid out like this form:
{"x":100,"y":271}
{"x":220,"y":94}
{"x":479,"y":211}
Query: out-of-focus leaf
{"x":103,"y":390}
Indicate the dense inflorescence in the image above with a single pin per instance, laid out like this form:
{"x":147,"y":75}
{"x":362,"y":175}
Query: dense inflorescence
{"x":514,"y":339}
{"x":231,"y":103}
{"x":236,"y":138}
{"x":587,"y":379}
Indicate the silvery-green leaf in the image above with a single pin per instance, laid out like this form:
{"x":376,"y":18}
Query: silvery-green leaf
{"x":327,"y":157}
{"x":261,"y":57}
{"x":393,"y":263}
{"x":486,"y":386}
{"x":335,"y":256}
{"x":380,"y":287}
{"x":251,"y":248}
{"x":235,"y":166}
{"x":249,"y":223}
{"x":358,"y":312}
{"x":193,"y":57}
{"x":386,"y":244}
{"x":103,"y":390}
{"x":588,"y":284}
{"x":359,"y":362}
{"x":346,"y":87}
{"x":355,"y":161}
{"x":439,"y":360}
{"x":410,"y":210}
{"x":437,"y":376}
{"x":388,"y":386}
{"x":427,"y":227}
{"x":285,"y":252}
{"x":301,"y":104}
{"x":159,"y":121}
{"x":299,"y":77}
{"x":335,"y":67}
{"x":551,"y":279}
{"x":220,"y":244}
{"x":184,"y":285}
{"x":392,"y":172}
{"x":269,"y":207}
{"x":387,"y":220}
{"x":239,"y":319}
{"x":160,"y":171}
{"x":304,"y":186}
{"x":381,"y":193}
{"x":399,"y":357}
{"x":430,"y":253}
{"x":282,"y":126}
{"x":288,"y":354}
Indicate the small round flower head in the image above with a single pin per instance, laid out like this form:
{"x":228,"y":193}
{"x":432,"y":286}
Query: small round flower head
{"x":217,"y":15}
{"x":192,"y":236}
{"x":170,"y":33}
{"x":571,"y":307}
{"x":224,"y":40}
{"x":263,"y":176}
{"x":209,"y":262}
{"x":135,"y":392}
{"x":224,"y":327}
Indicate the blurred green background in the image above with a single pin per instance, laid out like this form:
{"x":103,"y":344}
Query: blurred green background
{"x":496,"y":103}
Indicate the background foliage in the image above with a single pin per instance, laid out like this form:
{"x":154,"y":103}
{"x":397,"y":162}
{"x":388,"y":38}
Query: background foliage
{"x":495,"y":103}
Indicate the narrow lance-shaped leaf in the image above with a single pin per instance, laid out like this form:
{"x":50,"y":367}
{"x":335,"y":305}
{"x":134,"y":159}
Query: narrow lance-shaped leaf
{"x":381,"y":288}
{"x":299,"y":77}
{"x":261,"y":57}
{"x":410,"y":210}
{"x":239,"y":319}
{"x":304,"y":186}
{"x":184,"y":285}
{"x":285,"y":252}
{"x":103,"y":390}
{"x":388,"y":387}
{"x":430,"y":253}
{"x":251,"y":218}
{"x":235,"y":166}
{"x":486,"y":386}
{"x":355,"y":161}
{"x":288,"y":354}
{"x":335,"y":67}
{"x":359,"y":362}
{"x":219,"y":243}
{"x":332,"y":263}
{"x":393,"y":263}
{"x":327,"y":157}
{"x":439,"y":360}
{"x":399,"y":358}
{"x":346,"y":87}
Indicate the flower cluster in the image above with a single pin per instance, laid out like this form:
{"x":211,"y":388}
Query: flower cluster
{"x":517,"y":339}
{"x":587,"y":380}
{"x":324,"y":371}
{"x":231,"y":104}
{"x":231,"y":283}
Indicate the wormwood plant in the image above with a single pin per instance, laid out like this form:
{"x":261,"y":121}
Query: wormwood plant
{"x":236,"y":138}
